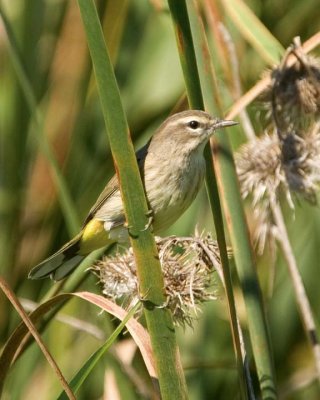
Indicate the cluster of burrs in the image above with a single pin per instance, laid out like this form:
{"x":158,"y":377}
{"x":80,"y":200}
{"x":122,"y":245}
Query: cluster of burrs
{"x":187,"y":266}
{"x":286,"y":159}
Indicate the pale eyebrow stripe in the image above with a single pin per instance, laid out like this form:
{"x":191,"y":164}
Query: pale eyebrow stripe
{"x":189,"y":119}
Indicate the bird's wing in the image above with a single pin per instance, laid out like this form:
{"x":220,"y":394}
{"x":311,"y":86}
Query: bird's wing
{"x":111,"y":188}
{"x":113,"y":185}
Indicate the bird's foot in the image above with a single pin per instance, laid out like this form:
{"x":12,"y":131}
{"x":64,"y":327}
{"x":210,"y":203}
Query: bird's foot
{"x":150,"y":305}
{"x":150,"y":216}
{"x":134,"y":233}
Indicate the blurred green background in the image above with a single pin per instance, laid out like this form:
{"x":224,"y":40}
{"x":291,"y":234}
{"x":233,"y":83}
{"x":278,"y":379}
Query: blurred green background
{"x":51,"y":43}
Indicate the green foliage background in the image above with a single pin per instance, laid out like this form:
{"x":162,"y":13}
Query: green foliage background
{"x":35,"y":219}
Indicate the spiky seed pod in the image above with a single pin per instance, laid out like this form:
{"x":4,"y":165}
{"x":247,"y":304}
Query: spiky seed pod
{"x":258,"y":165}
{"x":265,"y":174}
{"x":293,"y":97}
{"x":187,"y":265}
{"x":286,"y":161}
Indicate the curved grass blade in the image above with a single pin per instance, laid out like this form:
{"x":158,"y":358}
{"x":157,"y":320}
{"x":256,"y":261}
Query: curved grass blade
{"x":89,"y":365}
{"x":32,"y":329}
{"x":136,"y":330}
{"x":268,"y":47}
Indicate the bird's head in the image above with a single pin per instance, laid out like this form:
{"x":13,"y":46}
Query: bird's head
{"x":189,"y":130}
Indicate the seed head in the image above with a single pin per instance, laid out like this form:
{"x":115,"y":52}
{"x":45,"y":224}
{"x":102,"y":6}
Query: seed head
{"x":287,"y":161}
{"x":265,"y":174}
{"x":293,"y":97}
{"x":187,"y":266}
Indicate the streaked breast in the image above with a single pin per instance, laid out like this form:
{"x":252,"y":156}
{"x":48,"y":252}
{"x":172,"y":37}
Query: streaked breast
{"x":171,"y":191}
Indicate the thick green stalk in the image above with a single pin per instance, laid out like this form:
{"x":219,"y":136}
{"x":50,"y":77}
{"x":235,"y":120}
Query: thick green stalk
{"x":192,"y":79}
{"x":231,"y":201}
{"x":159,"y":320}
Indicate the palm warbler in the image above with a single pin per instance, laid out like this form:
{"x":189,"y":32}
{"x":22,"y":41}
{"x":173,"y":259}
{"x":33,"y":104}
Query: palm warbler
{"x":172,"y":167}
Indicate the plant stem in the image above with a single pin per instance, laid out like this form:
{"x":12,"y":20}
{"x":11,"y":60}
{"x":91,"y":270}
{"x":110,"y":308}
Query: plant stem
{"x":187,"y":54}
{"x":231,"y":200}
{"x":158,"y":318}
{"x":298,"y":286}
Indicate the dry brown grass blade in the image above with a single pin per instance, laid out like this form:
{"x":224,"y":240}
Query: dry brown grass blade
{"x":32,"y":329}
{"x":14,"y":344}
{"x":12,"y":347}
{"x":137,"y":331}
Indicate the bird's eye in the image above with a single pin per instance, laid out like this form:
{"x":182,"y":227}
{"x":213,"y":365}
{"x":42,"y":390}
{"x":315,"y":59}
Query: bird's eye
{"x":193,"y":124}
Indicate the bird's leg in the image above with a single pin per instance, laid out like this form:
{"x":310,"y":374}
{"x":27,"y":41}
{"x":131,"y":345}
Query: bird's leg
{"x":164,"y":304}
{"x":150,"y":216}
{"x":132,"y":232}
{"x":146,"y":303}
{"x":149,"y":304}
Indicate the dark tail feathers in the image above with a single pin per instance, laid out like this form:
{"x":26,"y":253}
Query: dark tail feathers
{"x":61,"y":263}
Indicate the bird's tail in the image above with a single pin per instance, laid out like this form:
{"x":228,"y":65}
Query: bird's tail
{"x":61,"y":263}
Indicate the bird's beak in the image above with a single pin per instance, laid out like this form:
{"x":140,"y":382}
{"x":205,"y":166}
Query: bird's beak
{"x":223,"y":124}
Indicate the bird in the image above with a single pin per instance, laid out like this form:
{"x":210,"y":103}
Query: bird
{"x":172,"y":168}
